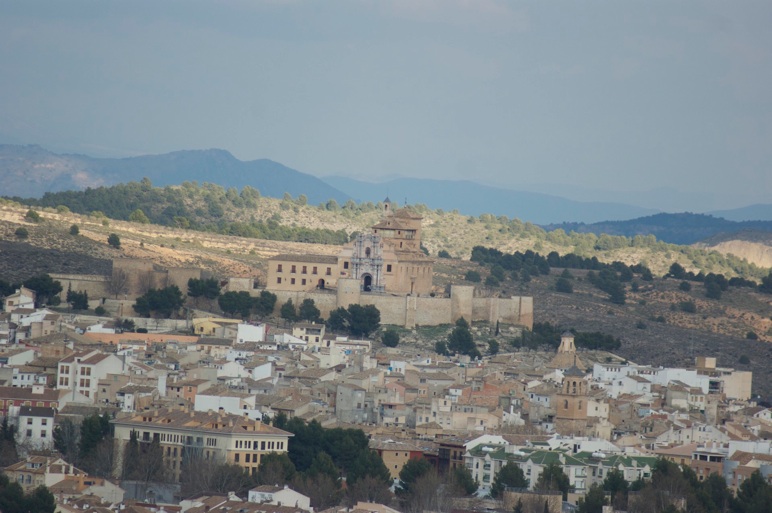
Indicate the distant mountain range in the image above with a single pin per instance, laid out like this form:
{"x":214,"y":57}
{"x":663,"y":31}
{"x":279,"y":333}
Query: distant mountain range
{"x":474,"y":199}
{"x":685,"y":228}
{"x":31,"y":171}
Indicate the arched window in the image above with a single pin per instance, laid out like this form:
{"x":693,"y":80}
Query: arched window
{"x":565,"y":404}
{"x":367,"y":252}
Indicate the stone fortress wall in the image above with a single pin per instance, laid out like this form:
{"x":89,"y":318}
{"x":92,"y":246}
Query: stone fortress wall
{"x":396,"y":309}
{"x":409,"y":311}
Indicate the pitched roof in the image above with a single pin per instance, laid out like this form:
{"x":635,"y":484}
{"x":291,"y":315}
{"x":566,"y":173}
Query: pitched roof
{"x":199,"y":421}
{"x":312,"y":259}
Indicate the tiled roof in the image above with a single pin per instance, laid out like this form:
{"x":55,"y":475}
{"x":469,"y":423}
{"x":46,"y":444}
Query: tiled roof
{"x":312,"y":259}
{"x":199,"y":421}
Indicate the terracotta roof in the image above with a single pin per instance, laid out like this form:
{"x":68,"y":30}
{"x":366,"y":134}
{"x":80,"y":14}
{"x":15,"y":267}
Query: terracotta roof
{"x":313,"y":259}
{"x":199,"y":421}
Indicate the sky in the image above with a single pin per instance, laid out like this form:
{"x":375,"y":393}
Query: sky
{"x":657,"y":103}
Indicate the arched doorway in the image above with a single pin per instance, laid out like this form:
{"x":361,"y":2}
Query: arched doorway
{"x":320,"y":285}
{"x":367,"y":282}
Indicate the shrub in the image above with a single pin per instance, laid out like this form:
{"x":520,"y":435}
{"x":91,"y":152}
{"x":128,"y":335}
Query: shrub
{"x":744,"y":360}
{"x":444,"y":254}
{"x":473,"y":276}
{"x":640,"y":325}
{"x":751,"y":335}
{"x":687,"y":306}
{"x":74,"y":230}
{"x":21,"y":233}
{"x":685,"y":286}
{"x":492,"y":281}
{"x":114,"y":240}
{"x":100,"y":310}
{"x":33,"y":216}
{"x":390,"y":338}
{"x":564,"y":285}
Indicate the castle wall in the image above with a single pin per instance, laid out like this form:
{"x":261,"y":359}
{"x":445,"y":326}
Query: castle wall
{"x":512,"y":310}
{"x":411,"y":311}
{"x":94,"y":285}
{"x":432,"y":311}
{"x":348,"y":292}
{"x":461,"y":302}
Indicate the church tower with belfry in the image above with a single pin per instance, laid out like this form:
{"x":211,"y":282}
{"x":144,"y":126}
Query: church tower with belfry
{"x":571,"y":403}
{"x":566,"y":356}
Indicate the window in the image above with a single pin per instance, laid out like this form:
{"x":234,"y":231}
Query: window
{"x":29,"y":421}
{"x":29,"y":433}
{"x":304,"y":270}
{"x":85,"y":371}
{"x":329,"y":271}
{"x":303,"y":281}
{"x":43,"y":434}
{"x":236,"y":458}
{"x":313,"y":270}
{"x":345,"y":265}
{"x":262,"y":446}
{"x":292,"y":281}
{"x":293,"y":269}
{"x":278,"y":280}
{"x":388,"y":268}
{"x":278,"y":268}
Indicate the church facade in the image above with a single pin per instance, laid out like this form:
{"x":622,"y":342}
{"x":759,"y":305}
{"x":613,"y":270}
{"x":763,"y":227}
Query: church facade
{"x":389,"y":259}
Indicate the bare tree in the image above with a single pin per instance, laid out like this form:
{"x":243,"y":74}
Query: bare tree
{"x":118,"y":283}
{"x":368,"y":489}
{"x":145,"y":282}
{"x":429,"y":493}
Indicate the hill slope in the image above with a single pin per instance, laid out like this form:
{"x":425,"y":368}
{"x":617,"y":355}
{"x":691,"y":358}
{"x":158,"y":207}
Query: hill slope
{"x":31,"y":171}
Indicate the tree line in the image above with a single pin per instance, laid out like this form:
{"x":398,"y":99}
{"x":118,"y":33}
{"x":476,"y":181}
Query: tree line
{"x":191,"y":206}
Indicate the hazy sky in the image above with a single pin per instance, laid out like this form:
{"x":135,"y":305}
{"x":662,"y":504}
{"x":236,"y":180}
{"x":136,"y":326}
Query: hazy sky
{"x":618,"y":95}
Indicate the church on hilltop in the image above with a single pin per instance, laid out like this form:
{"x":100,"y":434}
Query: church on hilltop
{"x":389,"y":259}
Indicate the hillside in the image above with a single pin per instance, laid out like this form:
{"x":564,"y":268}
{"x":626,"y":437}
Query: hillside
{"x":717,"y":328}
{"x":212,"y":209}
{"x":31,"y":171}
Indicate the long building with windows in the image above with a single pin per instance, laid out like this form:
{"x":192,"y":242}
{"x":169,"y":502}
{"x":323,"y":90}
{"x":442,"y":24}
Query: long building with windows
{"x":186,"y":436}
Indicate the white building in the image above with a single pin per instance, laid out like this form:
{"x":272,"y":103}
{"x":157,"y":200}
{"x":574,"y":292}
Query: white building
{"x":250,"y":333}
{"x":228,"y":401}
{"x":35,"y":427}
{"x":279,"y":496}
{"x":81,"y":372}
{"x":22,"y":298}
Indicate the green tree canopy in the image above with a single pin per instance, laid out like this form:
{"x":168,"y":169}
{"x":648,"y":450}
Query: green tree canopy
{"x":114,"y":240}
{"x":461,"y":341}
{"x":288,"y":311}
{"x":308,"y":311}
{"x":553,"y":478}
{"x":509,"y":476}
{"x":411,"y":471}
{"x":208,"y":288}
{"x":45,"y":288}
{"x":138,"y":216}
{"x":236,"y":303}
{"x":390,"y":338}
{"x":264,"y":304}
{"x":163,"y":302}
